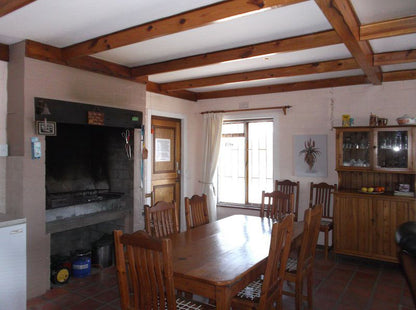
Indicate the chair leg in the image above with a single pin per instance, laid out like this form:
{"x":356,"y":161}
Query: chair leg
{"x":326,"y":243}
{"x":310,"y":290}
{"x":298,"y":294}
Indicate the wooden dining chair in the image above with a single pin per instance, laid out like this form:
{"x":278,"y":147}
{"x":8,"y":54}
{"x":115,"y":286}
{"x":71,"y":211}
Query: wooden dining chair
{"x":161,"y":219}
{"x":300,"y":267}
{"x":323,"y":193}
{"x":289,"y":187}
{"x":196,"y":211}
{"x":146,"y":281}
{"x":276,"y":204}
{"x":266,"y":292}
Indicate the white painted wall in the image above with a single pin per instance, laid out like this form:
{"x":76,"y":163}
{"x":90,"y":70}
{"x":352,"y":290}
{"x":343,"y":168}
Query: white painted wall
{"x":3,"y":133}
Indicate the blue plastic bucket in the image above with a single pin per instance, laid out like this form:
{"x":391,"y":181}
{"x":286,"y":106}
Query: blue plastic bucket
{"x":81,"y":265}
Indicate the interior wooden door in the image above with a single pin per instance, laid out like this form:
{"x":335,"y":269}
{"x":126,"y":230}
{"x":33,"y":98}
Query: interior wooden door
{"x":166,"y":159}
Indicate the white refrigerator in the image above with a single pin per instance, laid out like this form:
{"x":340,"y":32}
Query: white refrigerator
{"x":12,"y":263}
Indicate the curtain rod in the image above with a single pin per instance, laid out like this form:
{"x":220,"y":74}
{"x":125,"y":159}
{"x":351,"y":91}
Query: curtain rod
{"x":284,"y":108}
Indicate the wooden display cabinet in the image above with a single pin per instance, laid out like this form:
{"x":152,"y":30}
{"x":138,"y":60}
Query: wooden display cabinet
{"x":365,"y":223}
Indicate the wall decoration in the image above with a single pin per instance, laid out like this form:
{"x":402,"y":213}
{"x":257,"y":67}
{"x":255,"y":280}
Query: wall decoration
{"x":310,"y":152}
{"x":46,"y":128}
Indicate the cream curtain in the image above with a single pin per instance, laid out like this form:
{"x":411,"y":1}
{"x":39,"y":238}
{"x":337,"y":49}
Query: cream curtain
{"x":212,"y":130}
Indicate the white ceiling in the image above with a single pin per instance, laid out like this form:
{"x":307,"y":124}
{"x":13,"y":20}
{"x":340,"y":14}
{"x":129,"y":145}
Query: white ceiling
{"x":61,"y":23}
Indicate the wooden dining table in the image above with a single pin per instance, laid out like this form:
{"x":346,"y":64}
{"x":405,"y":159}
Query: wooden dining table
{"x":219,"y":259}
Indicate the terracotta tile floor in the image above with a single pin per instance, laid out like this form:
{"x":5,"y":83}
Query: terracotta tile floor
{"x":340,"y":283}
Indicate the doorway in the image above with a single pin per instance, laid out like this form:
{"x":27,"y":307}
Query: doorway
{"x":166,"y":160}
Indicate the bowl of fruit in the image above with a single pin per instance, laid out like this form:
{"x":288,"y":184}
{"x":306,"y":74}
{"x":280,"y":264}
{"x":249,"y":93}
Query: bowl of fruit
{"x":372,"y":189}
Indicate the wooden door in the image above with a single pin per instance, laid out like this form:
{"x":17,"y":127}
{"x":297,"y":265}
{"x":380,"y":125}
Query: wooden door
{"x":389,"y":214}
{"x":166,"y":159}
{"x":353,"y":225}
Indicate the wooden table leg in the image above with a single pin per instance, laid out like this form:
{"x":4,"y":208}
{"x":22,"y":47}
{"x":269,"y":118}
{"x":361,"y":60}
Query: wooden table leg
{"x":223,"y":298}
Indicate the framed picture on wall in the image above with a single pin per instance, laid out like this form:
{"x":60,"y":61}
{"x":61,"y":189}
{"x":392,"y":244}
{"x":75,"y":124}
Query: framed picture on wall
{"x":46,"y":128}
{"x":310,"y":152}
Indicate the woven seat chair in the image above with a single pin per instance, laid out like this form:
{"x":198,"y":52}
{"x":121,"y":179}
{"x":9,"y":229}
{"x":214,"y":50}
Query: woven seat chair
{"x":276,"y":205}
{"x":323,"y":194}
{"x":196,"y":211}
{"x":300,"y":267}
{"x":161,"y":219}
{"x":289,"y":187}
{"x":266,"y":292}
{"x":146,"y":281}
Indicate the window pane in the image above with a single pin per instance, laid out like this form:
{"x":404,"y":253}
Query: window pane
{"x":260,"y":165}
{"x":229,"y":128}
{"x":231,"y":182}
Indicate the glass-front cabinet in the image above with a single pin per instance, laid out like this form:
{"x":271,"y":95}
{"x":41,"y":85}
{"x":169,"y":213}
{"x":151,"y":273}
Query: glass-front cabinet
{"x":392,"y":149}
{"x":379,"y":149}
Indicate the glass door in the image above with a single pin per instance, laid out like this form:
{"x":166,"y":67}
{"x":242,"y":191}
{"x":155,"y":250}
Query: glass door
{"x":355,"y":149}
{"x":392,"y":150}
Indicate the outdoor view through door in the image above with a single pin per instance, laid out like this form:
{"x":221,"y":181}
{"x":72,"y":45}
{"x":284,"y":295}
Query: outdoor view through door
{"x":245,"y":166}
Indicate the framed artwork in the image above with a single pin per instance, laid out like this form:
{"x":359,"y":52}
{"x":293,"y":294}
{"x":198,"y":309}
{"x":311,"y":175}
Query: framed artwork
{"x":46,"y":128}
{"x":310,"y":152}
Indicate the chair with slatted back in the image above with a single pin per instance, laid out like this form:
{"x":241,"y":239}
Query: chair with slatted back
{"x":323,"y":193}
{"x":301,"y":266}
{"x":289,"y":187}
{"x":266,"y":292}
{"x":196,"y":211}
{"x":146,"y":281}
{"x":161,"y":219}
{"x":276,"y":205}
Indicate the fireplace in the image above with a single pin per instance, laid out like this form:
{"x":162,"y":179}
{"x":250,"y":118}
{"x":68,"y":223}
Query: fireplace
{"x":89,"y":177}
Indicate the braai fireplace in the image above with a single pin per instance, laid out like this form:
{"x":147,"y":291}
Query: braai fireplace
{"x":89,"y":176}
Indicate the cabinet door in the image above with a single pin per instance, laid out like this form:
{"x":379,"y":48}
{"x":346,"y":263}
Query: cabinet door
{"x":353,"y":149}
{"x":388,"y":215}
{"x":393,"y":149}
{"x":352,"y":225}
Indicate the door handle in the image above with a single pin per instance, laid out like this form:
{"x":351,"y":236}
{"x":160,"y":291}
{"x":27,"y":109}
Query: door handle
{"x":178,"y":171}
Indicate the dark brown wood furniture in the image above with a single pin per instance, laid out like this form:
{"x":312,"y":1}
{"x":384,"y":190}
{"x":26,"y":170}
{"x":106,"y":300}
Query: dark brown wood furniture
{"x":196,"y":211}
{"x":276,"y":205}
{"x":323,"y":194}
{"x":147,"y":282}
{"x":219,"y":259}
{"x":301,"y":267}
{"x":376,"y":158}
{"x":266,"y":292}
{"x":161,"y":219}
{"x":289,"y":187}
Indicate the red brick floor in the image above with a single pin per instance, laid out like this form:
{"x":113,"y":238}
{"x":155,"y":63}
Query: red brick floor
{"x":339,"y":283}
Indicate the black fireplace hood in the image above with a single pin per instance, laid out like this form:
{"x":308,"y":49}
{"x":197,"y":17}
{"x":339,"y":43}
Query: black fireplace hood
{"x":77,"y":113}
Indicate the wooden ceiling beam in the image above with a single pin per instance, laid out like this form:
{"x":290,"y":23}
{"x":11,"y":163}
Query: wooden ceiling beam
{"x":360,"y":50}
{"x":4,"y":52}
{"x":308,"y":41}
{"x":399,"y":75}
{"x":392,"y":58}
{"x":394,"y":27}
{"x":49,"y":53}
{"x":183,"y":94}
{"x":170,"y":25}
{"x":8,"y":6}
{"x":318,"y":67}
{"x":279,"y":88}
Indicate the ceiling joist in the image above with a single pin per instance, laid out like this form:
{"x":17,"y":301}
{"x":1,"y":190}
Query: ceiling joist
{"x":279,"y":88}
{"x":319,"y":67}
{"x":395,"y":27}
{"x":4,"y":52}
{"x":393,"y":58}
{"x":8,"y":6}
{"x":360,"y":50}
{"x":170,"y":25}
{"x":308,"y":41}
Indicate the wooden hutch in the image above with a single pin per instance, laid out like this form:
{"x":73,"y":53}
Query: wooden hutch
{"x":365,"y":222}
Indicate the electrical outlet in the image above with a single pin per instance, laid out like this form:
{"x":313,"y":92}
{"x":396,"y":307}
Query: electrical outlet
{"x":4,"y":150}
